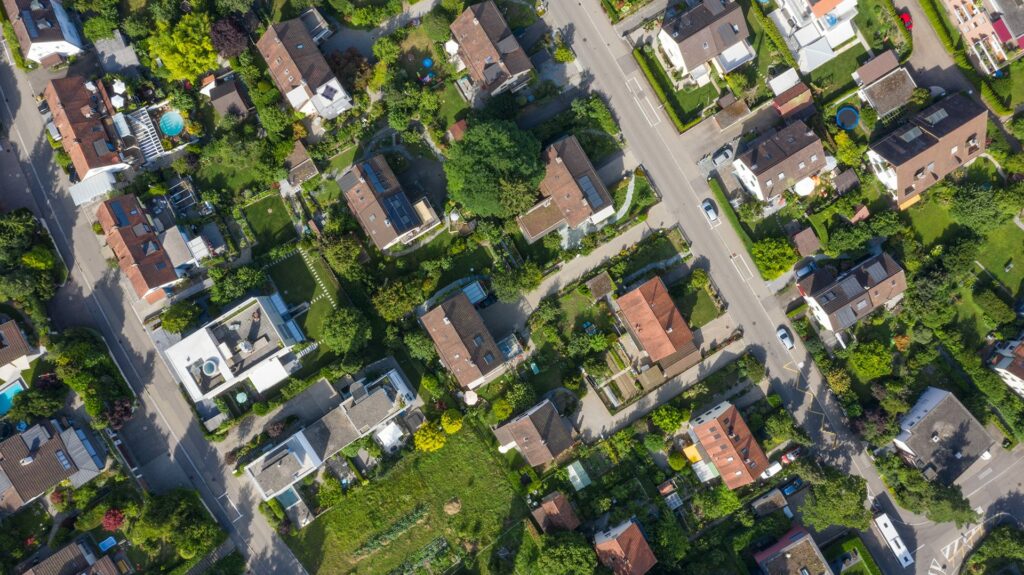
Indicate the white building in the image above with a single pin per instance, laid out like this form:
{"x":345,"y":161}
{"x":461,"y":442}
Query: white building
{"x":1007,"y":360}
{"x":712,"y":33}
{"x":815,"y":31}
{"x":45,"y":32}
{"x":252,"y":341}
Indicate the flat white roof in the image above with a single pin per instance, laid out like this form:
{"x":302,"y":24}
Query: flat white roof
{"x":92,"y":188}
{"x":784,"y":81}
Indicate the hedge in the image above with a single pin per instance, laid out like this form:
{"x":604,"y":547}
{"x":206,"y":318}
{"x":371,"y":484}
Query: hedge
{"x":956,"y":49}
{"x":730,"y":214}
{"x":773,"y":33}
{"x":662,"y":87}
{"x":14,"y":45}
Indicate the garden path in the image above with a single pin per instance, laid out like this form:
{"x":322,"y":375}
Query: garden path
{"x":629,"y":200}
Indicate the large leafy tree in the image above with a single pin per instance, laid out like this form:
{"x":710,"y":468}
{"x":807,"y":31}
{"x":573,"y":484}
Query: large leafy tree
{"x":495,"y":169}
{"x":228,"y":38}
{"x":345,"y":330}
{"x":184,"y":48}
{"x":566,"y":554}
{"x":838,"y":500}
{"x":773,"y":256}
{"x":178,"y":316}
{"x":915,"y":493}
{"x":230,"y":285}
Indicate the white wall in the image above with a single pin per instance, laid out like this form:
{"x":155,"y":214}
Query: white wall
{"x":671,"y":48}
{"x":748,"y":179}
{"x":39,"y":50}
{"x":883,"y":170}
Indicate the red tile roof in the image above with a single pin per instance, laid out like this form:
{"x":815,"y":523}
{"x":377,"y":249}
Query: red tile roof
{"x":627,"y":552}
{"x":486,"y":45}
{"x":464,"y":343}
{"x":730,"y":445}
{"x":136,"y":246}
{"x":556,"y":512}
{"x":652,"y":317}
{"x":78,"y":114}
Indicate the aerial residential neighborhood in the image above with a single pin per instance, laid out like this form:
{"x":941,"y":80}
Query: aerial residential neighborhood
{"x":512,"y":287}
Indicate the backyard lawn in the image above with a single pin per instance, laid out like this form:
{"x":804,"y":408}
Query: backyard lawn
{"x":437,"y":506}
{"x":343,"y":159}
{"x":686,"y":105}
{"x":270,"y":222}
{"x":696,"y":304}
{"x":471,"y":261}
{"x":866,"y":566}
{"x":453,"y":106}
{"x":834,"y":78}
{"x":930,"y":220}
{"x":753,"y":76}
{"x":879,"y":27}
{"x":1005,"y":244}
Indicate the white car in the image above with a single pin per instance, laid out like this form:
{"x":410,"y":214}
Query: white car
{"x":773,"y":469}
{"x":709,"y":210}
{"x":785,"y":338}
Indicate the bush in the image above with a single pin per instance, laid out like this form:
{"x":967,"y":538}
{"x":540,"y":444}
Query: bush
{"x":662,"y":87}
{"x":451,"y":421}
{"x":177,"y":317}
{"x":677,"y":460}
{"x":668,"y":418}
{"x":773,"y":257}
{"x":429,"y":438}
{"x":994,"y":307}
{"x":501,"y":409}
{"x":773,"y":34}
{"x":654,"y":442}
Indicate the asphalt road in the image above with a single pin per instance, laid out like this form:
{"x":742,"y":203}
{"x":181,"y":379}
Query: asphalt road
{"x":163,"y":436}
{"x":670,"y":159}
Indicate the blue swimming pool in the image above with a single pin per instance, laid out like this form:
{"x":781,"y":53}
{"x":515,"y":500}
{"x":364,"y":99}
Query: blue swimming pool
{"x":7,"y":394}
{"x":288,"y":498}
{"x":171,"y":123}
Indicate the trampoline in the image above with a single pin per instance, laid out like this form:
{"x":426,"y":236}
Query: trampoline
{"x":847,"y":117}
{"x":171,"y":123}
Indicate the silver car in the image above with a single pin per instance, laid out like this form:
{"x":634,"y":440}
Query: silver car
{"x":709,"y":210}
{"x":785,"y":338}
{"x":723,"y":155}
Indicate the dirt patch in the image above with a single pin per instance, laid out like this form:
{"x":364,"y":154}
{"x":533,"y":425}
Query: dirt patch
{"x":453,"y":507}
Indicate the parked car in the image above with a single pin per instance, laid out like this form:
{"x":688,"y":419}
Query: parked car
{"x":43,"y":107}
{"x":709,"y":210}
{"x":723,"y":155}
{"x":908,"y":22}
{"x":793,"y":455}
{"x":784,"y":337}
{"x":772,"y":470}
{"x":936,"y":92}
{"x":792,"y":487}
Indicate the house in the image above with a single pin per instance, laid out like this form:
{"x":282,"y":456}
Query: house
{"x":624,"y":550}
{"x":573,"y":194}
{"x":795,"y":553}
{"x":815,"y":30}
{"x":555,"y":513}
{"x":806,"y":242}
{"x":942,"y":138}
{"x":845,"y":181}
{"x":16,"y":355}
{"x":941,"y":438}
{"x":727,"y":448}
{"x":301,"y":72}
{"x":38,"y":459}
{"x":252,"y":341}
{"x":976,"y":24}
{"x":44,"y":30}
{"x":601,"y":286}
{"x":540,"y":434}
{"x":371,"y":409}
{"x":75,"y":558}
{"x":382,"y":207}
{"x":485,"y":48}
{"x":1008,"y":22}
{"x":299,"y":165}
{"x":117,"y":56}
{"x":795,"y":103}
{"x":780,"y":160}
{"x":1007,"y":359}
{"x":839,"y":302}
{"x":457,"y":131}
{"x":227,"y":99}
{"x":465,"y":345}
{"x":656,"y":325}
{"x":713,"y":31}
{"x":137,"y":248}
{"x":81,"y":111}
{"x":883,"y":84}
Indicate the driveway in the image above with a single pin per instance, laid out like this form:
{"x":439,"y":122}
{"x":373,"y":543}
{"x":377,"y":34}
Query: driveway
{"x":930,"y":63}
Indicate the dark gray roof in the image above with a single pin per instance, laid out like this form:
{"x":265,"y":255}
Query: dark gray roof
{"x":774,"y":148}
{"x":372,"y":409}
{"x":845,"y":181}
{"x":331,"y":433}
{"x":1012,"y":14}
{"x":277,"y":470}
{"x":947,"y":440}
{"x":836,"y":296}
{"x":924,"y":130}
{"x":706,"y":30}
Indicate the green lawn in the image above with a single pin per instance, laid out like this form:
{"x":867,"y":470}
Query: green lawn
{"x":867,"y":566}
{"x":579,"y":309}
{"x":1005,"y":244}
{"x":343,"y":159}
{"x":453,"y":106}
{"x":752,"y":77}
{"x":694,"y":100}
{"x":834,"y":78}
{"x":930,"y":220}
{"x":696,"y":305}
{"x":878,"y":26}
{"x":655,"y":250}
{"x":467,"y":470}
{"x":270,"y":223}
{"x":473,"y":260}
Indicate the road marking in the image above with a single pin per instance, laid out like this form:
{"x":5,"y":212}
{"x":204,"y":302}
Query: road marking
{"x":656,"y":120}
{"x":787,"y":367}
{"x":637,"y":90}
{"x":745,"y":271}
{"x":935,"y":568}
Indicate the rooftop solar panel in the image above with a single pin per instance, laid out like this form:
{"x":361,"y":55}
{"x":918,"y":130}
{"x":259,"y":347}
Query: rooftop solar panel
{"x":402,"y":217}
{"x":30,"y":24}
{"x":119,"y":215}
{"x":590,"y":192}
{"x":371,"y":175}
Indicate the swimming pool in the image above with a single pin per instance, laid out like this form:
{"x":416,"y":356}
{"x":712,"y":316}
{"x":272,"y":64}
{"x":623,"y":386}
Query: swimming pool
{"x":7,"y":394}
{"x":288,"y":498}
{"x":171,"y":123}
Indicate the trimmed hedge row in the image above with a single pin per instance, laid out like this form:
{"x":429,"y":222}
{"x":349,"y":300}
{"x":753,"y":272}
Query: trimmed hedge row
{"x":956,"y":49}
{"x":662,"y":87}
{"x":773,"y":33}
{"x":730,"y":214}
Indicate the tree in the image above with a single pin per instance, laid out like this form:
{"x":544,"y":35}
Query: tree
{"x":330,"y":492}
{"x":781,"y":427}
{"x":346,"y":330}
{"x":232,"y":6}
{"x":229,"y":285}
{"x":420,"y":346}
{"x":699,"y":279}
{"x":436,"y":26}
{"x":566,"y":554}
{"x":35,"y":403}
{"x":973,"y":205}
{"x":563,"y":53}
{"x":994,"y":307}
{"x":99,"y":27}
{"x":178,"y":316}
{"x":773,"y":256}
{"x":870,"y":360}
{"x":671,"y":543}
{"x":113,"y":519}
{"x":501,"y":409}
{"x":677,"y":460}
{"x":429,"y":438}
{"x":915,"y":493}
{"x":451,"y":421}
{"x":837,"y":501}
{"x":848,"y":151}
{"x":228,"y":38}
{"x":185,"y":48}
{"x":510,"y":284}
{"x":520,"y":396}
{"x":839,"y":381}
{"x":1002,"y":547}
{"x":654,"y":442}
{"x":495,"y":169}
{"x":716,"y":502}
{"x":397,"y":299}
{"x":668,"y":418}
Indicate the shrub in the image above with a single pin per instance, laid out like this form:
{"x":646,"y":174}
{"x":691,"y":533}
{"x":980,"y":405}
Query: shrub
{"x":676,"y":460}
{"x":501,"y":409}
{"x":773,"y":257}
{"x":113,"y":519}
{"x":654,"y":442}
{"x":451,"y":421}
{"x":429,"y":438}
{"x":668,"y":418}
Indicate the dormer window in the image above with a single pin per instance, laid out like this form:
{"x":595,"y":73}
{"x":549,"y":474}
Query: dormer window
{"x":802,"y":165}
{"x":782,"y":175}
